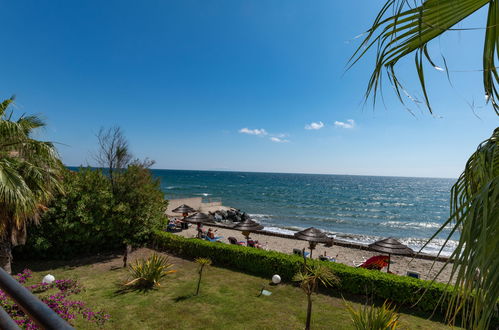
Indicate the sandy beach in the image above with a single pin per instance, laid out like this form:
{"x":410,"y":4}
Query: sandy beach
{"x":345,"y":255}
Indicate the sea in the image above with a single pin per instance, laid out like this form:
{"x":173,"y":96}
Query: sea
{"x":359,"y":209}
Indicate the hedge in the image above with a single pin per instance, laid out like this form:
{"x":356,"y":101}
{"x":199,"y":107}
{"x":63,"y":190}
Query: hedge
{"x":399,"y":289}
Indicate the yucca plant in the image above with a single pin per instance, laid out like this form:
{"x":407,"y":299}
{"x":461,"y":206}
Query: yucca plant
{"x":147,"y":273}
{"x":374,"y":318}
{"x":202,"y":262}
{"x":309,"y":280}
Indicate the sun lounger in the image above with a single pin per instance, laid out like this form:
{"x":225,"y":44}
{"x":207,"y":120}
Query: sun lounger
{"x":413,"y":274}
{"x":216,"y":239}
{"x":375,"y":263}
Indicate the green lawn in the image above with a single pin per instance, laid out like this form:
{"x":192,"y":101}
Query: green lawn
{"x":228,"y":299}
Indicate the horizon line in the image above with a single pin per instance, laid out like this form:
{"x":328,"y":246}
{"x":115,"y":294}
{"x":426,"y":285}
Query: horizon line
{"x":267,"y":172}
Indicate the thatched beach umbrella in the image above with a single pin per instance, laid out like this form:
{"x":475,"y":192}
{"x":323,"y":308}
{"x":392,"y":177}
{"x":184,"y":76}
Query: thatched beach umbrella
{"x":391,"y":246}
{"x":313,"y":236}
{"x":198,"y":219}
{"x":247,"y":226}
{"x":184,"y":209}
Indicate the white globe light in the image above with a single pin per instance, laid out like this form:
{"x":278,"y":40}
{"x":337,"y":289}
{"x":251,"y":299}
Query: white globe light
{"x":48,"y":279}
{"x":276,"y":279}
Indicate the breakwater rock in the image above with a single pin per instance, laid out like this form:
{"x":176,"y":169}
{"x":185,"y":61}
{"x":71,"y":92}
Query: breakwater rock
{"x":232,"y":215}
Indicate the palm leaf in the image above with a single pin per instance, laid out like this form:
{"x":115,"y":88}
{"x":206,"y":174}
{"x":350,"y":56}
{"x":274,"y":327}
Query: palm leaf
{"x":410,"y":30}
{"x":475,"y":213}
{"x":29,"y":172}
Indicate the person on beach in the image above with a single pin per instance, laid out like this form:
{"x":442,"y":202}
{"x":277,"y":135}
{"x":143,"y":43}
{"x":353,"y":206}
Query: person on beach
{"x":332,"y":259}
{"x":211,"y":233}
{"x":255,"y":244}
{"x":201,"y":232}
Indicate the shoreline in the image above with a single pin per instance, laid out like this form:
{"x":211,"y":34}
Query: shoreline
{"x":356,"y":241}
{"x":345,"y":252}
{"x":339,"y":242}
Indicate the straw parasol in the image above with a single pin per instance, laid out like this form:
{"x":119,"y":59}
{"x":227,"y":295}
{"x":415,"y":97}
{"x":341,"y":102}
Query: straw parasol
{"x":391,"y":246}
{"x":198,"y":218}
{"x":184,"y":209}
{"x":313,"y":236}
{"x":247,"y":226}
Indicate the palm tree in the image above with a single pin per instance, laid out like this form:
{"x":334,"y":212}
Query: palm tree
{"x":309,"y":279}
{"x":29,"y":175}
{"x":403,"y":28}
{"x":202,"y":262}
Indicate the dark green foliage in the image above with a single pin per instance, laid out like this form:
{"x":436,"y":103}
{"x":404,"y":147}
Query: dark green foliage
{"x":90,"y":219}
{"x":400,"y":289}
{"x":77,"y":222}
{"x":140,"y":205}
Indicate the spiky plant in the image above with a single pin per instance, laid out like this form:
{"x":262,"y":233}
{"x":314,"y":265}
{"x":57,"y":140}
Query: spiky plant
{"x":29,"y":177}
{"x":147,"y":273}
{"x":401,"y":29}
{"x":374,"y":318}
{"x":202,"y":262}
{"x":309,"y":279}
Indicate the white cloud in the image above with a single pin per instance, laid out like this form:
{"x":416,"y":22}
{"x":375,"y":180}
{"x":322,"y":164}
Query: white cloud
{"x":315,"y":125}
{"x":255,"y":131}
{"x":278,"y":140}
{"x":350,"y":123}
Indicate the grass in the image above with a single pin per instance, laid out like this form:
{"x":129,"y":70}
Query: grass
{"x":227,"y":299}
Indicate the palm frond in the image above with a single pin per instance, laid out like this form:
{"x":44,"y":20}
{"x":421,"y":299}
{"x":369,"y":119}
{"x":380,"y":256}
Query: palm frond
{"x":475,"y":213}
{"x":29,"y":123}
{"x":29,"y":172}
{"x":400,"y":30}
{"x":4,"y":105}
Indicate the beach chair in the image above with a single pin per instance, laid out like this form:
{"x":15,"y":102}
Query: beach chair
{"x":375,"y":263}
{"x":327,"y":258}
{"x":357,"y":264}
{"x":234,"y":241}
{"x":171,"y":227}
{"x":300,"y":253}
{"x":216,"y":239}
{"x":413,"y":274}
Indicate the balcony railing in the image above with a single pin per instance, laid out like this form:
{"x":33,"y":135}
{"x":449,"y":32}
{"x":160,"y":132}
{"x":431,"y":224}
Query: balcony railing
{"x":38,"y":311}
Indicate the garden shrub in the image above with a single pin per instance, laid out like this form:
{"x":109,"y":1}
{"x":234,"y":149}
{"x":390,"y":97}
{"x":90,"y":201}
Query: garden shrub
{"x":78,"y":222}
{"x":89,"y":217}
{"x":399,"y":289}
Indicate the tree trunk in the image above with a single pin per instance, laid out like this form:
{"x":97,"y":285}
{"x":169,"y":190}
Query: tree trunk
{"x":309,"y":312}
{"x":199,"y":280}
{"x":6,"y":253}
{"x":128,"y":248}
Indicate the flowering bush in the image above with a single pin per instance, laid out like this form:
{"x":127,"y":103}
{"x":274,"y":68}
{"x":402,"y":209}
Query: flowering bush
{"x":56,"y":297}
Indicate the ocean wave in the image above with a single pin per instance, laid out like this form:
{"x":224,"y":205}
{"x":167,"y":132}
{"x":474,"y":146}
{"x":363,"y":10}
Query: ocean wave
{"x":432,"y":248}
{"x":396,"y":204}
{"x":171,"y":187}
{"x":259,"y":216}
{"x":279,"y":230}
{"x":413,"y":225}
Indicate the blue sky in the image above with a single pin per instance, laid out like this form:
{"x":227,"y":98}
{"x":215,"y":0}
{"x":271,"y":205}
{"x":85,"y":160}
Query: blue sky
{"x":232,"y":85}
